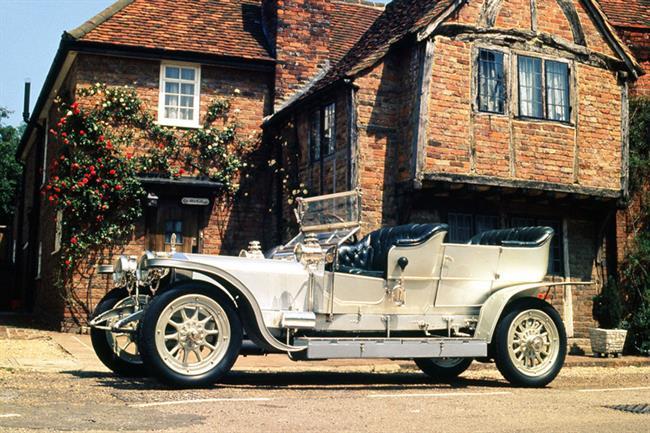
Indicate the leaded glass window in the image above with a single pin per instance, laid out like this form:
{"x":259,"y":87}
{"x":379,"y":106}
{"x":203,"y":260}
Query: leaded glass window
{"x":491,"y":82}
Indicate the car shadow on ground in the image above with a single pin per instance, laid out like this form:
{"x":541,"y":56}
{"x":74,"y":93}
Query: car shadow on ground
{"x":303,"y":380}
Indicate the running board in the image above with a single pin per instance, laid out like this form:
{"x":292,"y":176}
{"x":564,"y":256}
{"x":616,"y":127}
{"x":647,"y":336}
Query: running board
{"x":395,"y":348}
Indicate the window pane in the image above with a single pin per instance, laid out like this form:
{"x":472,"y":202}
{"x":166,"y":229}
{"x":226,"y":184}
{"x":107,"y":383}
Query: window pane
{"x":329,"y":129}
{"x":171,"y":113}
{"x":486,"y":222}
{"x":171,"y":72}
{"x":171,"y":87}
{"x":460,"y":228}
{"x":187,"y":89}
{"x":171,"y":100}
{"x":491,"y":82}
{"x":187,"y":74}
{"x":314,"y":136}
{"x":174,"y":227}
{"x":186,"y":113}
{"x":557,"y":91}
{"x":187,"y":101}
{"x":530,"y":87}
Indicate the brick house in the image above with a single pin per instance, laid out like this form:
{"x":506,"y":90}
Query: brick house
{"x":481,"y":114}
{"x":207,"y":49}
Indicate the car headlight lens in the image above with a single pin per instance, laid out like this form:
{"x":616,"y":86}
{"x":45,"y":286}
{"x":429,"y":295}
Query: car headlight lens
{"x":124,"y":265}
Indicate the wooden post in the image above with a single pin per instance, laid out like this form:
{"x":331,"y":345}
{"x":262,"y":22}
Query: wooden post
{"x":568,"y":292}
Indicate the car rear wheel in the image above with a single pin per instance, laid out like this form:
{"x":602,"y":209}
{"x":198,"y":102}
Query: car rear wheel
{"x":530,"y":343}
{"x":117,"y":351}
{"x":190,"y":335}
{"x":444,"y":369}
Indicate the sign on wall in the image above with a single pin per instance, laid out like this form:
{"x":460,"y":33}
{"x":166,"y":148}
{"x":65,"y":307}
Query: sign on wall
{"x":195,"y":201}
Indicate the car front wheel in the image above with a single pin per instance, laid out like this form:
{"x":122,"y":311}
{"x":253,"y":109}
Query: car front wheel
{"x":118,"y":351}
{"x":190,"y":335}
{"x":443,"y":369}
{"x":530,"y":343}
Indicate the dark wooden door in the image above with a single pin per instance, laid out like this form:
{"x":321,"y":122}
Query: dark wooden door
{"x":177,"y":225}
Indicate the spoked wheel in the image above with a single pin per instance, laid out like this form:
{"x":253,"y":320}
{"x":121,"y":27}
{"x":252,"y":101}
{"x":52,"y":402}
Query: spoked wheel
{"x":444,"y":369}
{"x":530,"y":344}
{"x":118,"y":351}
{"x":190,"y":335}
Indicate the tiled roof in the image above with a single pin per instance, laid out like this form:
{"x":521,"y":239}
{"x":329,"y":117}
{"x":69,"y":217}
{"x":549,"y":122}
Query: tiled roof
{"x":627,"y":12}
{"x":349,"y":21}
{"x":219,"y":27}
{"x":400,"y":18}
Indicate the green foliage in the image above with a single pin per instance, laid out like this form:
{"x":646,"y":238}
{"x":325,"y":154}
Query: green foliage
{"x":608,"y":309}
{"x":106,"y":140}
{"x":10,"y":169}
{"x":635,"y":269}
{"x":639,"y":141}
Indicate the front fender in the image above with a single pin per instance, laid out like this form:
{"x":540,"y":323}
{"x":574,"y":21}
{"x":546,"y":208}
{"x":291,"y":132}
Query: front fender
{"x":495,"y":304}
{"x":246,"y":302}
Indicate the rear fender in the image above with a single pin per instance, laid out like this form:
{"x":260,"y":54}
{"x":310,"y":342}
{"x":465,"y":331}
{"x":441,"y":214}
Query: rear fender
{"x":247,"y":306}
{"x":495,"y":305}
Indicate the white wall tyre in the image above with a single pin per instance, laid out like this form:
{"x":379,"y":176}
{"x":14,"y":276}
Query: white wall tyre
{"x":530,"y":343}
{"x":117,"y":351}
{"x":443,"y":369}
{"x":190,"y":335}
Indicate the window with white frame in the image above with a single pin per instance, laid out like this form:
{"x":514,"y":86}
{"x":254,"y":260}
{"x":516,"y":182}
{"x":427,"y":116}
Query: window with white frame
{"x":180,"y":87}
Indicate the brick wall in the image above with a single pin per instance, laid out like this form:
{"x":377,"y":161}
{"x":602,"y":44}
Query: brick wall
{"x":585,"y":151}
{"x":301,"y":43}
{"x":229,"y":226}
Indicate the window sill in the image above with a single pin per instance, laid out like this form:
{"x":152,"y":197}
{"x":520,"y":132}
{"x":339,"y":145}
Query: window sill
{"x":544,"y":120}
{"x":177,"y":124}
{"x":490,"y":113}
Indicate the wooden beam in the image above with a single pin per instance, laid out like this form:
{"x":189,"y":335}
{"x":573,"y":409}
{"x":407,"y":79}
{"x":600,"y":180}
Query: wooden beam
{"x":569,"y":9}
{"x":489,"y":13}
{"x":421,"y":112}
{"x":625,"y":140}
{"x":522,"y":184}
{"x":543,"y":43}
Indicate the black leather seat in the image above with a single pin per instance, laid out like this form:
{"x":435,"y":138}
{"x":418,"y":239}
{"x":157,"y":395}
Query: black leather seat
{"x":523,"y":237}
{"x":369,"y":256}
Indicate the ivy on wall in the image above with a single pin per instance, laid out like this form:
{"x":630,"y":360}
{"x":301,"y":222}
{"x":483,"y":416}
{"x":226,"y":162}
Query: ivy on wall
{"x":107,"y":139}
{"x":635,"y":269}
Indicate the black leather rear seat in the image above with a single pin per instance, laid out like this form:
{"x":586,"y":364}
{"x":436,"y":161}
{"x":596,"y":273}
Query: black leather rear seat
{"x":369,"y":256}
{"x":523,"y":237}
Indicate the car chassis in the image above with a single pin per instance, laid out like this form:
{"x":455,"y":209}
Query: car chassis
{"x":399,"y":292}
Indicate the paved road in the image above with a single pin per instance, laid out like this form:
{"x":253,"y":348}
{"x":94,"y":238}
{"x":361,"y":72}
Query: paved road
{"x":579,"y":400}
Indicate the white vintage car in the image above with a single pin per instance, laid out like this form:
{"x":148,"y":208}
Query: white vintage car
{"x":398,"y":292}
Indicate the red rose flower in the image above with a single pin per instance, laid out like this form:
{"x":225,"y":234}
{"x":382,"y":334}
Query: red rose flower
{"x":82,"y":132}
{"x":74,"y":240}
{"x":101,"y":138}
{"x":112,"y":172}
{"x":118,"y":187}
{"x":74,"y":105}
{"x":63,"y":134}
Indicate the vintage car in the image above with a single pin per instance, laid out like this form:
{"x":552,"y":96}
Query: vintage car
{"x":398,"y":292}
